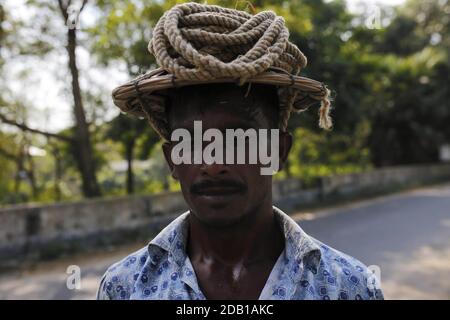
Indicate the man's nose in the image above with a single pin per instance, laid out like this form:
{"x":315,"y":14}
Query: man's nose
{"x":214,"y":169}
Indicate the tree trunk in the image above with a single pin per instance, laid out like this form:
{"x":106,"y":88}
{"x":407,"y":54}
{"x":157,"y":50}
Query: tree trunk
{"x":129,"y":148}
{"x":166,"y":183}
{"x":58,"y":174}
{"x":19,"y":170}
{"x":287,"y":168}
{"x":82,"y":147}
{"x":31,"y":176}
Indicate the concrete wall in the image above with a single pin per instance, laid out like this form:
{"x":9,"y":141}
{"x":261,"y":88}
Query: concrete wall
{"x":32,"y":232}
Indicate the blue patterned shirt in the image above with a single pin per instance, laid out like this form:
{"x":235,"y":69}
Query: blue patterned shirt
{"x":306,"y":269}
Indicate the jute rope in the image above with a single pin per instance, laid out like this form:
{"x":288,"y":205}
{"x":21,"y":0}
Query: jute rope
{"x":195,"y":43}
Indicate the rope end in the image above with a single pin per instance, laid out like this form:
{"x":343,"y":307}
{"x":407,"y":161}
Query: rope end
{"x":325,"y":121}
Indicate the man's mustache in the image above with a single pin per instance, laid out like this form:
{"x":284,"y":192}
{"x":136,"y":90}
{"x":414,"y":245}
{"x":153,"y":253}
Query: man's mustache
{"x":199,"y":187}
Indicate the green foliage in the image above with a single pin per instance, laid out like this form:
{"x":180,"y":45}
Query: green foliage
{"x":314,"y":155}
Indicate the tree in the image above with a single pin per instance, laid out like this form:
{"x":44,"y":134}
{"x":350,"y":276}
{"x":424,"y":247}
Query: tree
{"x":127,"y":130}
{"x":410,"y":122}
{"x":82,"y":139}
{"x":121,"y":35}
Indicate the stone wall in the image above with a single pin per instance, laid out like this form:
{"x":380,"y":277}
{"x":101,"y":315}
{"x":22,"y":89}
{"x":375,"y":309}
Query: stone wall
{"x":33,"y":232}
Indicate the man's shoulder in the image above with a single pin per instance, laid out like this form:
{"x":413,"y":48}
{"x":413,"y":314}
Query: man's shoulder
{"x":118,"y":280}
{"x":346,"y":276}
{"x":337,"y":261}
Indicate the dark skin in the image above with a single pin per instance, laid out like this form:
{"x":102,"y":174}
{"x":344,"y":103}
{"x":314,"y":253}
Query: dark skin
{"x":233,"y":239}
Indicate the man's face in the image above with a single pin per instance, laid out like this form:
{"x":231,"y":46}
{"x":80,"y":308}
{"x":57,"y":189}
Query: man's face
{"x":222,"y":195}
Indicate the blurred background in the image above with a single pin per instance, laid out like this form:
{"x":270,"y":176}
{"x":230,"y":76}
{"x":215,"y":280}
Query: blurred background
{"x":83,"y":185}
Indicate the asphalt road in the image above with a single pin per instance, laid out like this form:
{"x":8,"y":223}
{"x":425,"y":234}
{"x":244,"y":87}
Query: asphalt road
{"x":407,"y":235}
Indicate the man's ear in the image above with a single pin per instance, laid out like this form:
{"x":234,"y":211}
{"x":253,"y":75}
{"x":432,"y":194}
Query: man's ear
{"x":167,"y":150}
{"x":285,"y":147}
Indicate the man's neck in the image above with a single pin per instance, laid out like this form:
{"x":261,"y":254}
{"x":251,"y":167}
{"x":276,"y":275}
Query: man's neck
{"x":256,"y":237}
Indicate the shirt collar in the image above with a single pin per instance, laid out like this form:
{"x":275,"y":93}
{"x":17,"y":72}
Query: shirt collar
{"x":173,"y":240}
{"x":299,"y":246}
{"x":301,"y":250}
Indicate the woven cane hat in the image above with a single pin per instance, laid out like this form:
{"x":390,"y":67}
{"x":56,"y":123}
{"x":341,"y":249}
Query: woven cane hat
{"x":200,"y":44}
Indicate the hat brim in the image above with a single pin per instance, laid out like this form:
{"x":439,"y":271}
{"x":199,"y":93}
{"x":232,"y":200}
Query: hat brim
{"x":150,"y":87}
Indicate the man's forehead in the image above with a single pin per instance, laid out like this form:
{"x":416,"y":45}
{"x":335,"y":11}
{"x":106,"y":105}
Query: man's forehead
{"x":215,"y":117}
{"x":205,"y":100}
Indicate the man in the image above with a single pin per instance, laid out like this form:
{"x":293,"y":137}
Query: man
{"x":232,"y":243}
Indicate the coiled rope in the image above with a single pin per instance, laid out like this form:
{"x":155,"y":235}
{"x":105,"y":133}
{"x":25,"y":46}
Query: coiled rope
{"x":200,"y":43}
{"x":204,"y":42}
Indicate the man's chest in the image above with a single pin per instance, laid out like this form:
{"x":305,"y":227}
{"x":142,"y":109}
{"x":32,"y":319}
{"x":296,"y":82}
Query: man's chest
{"x":237,"y":282}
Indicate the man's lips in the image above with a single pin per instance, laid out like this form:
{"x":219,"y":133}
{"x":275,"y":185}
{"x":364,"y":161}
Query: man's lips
{"x":218,"y":191}
{"x":224,"y":188}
